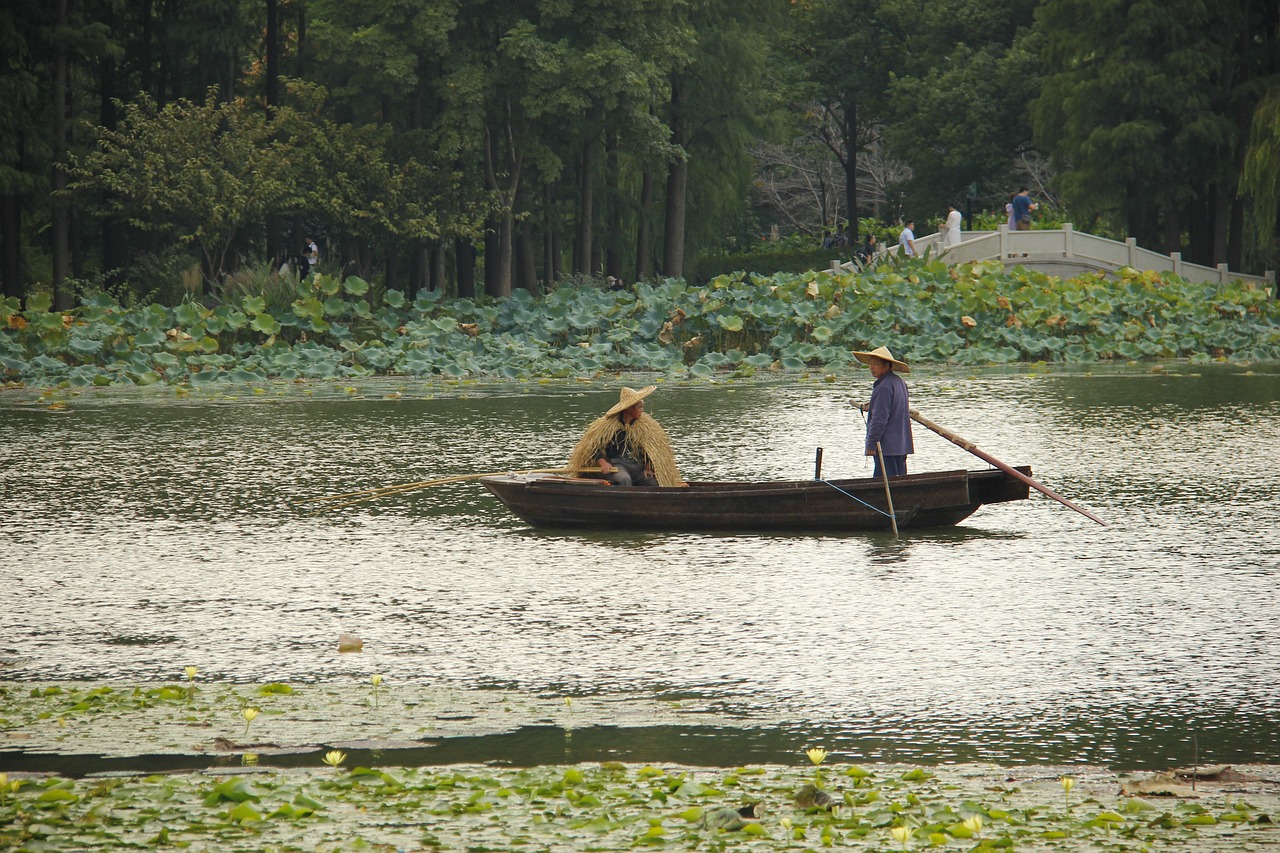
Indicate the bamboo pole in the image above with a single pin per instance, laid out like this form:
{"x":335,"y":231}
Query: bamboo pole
{"x":888,"y":496}
{"x":1008,"y":469}
{"x":402,"y":488}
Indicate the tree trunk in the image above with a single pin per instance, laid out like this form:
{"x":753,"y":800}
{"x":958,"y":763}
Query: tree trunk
{"x":61,"y":215}
{"x":526,"y":263}
{"x":465,"y":258}
{"x":1221,"y":213}
{"x":439,"y":276}
{"x":494,"y":268}
{"x":497,"y":265}
{"x":392,"y":267}
{"x":613,"y":210}
{"x":644,"y":234}
{"x":586,"y":209}
{"x":851,"y":147}
{"x":11,"y":246}
{"x":550,"y":258}
{"x":677,"y":186}
{"x":419,"y":270}
{"x":273,"y":54}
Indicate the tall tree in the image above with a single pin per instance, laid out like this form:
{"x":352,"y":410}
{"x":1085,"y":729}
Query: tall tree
{"x":721,"y":102}
{"x":1146,"y":105}
{"x":958,"y":109}
{"x":849,"y":50}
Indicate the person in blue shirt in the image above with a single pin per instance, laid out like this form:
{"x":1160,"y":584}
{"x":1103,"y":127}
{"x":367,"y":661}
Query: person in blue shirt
{"x":907,"y":239}
{"x":888,"y":413}
{"x":1022,"y":207}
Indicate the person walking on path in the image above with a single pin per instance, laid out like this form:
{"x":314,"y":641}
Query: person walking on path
{"x":907,"y":239}
{"x":888,"y":413}
{"x":1022,"y":207}
{"x":951,"y":228}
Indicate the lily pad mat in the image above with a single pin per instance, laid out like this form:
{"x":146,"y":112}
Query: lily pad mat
{"x":616,"y":806}
{"x":177,"y":719}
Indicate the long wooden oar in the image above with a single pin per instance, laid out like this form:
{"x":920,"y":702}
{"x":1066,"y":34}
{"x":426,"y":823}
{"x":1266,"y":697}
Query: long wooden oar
{"x":1008,"y":469}
{"x":402,"y":488}
{"x":888,"y":496}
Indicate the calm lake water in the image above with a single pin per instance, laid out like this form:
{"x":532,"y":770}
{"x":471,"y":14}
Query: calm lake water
{"x":140,"y":533}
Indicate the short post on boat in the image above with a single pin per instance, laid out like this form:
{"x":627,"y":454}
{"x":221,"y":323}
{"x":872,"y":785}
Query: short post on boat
{"x":817,"y":465}
{"x":888,"y":496}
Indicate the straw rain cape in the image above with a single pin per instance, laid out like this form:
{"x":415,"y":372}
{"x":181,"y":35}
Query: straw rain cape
{"x":645,"y":441}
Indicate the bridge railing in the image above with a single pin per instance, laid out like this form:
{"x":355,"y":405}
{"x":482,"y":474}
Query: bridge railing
{"x":1069,"y":249}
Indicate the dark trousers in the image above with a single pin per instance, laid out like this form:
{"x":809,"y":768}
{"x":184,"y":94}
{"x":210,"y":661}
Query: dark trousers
{"x":629,"y":473}
{"x":895,"y":465}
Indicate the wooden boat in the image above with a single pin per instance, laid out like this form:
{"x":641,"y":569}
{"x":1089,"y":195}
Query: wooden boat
{"x":937,"y":499}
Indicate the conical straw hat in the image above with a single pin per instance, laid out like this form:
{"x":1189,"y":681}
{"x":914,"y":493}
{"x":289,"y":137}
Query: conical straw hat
{"x":629,"y":397}
{"x":882,"y":352}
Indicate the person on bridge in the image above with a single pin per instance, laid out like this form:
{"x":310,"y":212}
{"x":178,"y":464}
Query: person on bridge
{"x":628,"y":445}
{"x":1022,"y":207}
{"x":888,"y":413}
{"x":907,"y":239}
{"x":951,"y":228}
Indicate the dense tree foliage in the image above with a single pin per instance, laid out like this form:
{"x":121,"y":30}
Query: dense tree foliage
{"x":1149,"y":104}
{"x":157,"y":149}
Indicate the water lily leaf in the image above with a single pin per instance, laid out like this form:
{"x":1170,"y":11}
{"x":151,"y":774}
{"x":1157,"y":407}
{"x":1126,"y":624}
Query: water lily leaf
{"x":149,"y":338}
{"x":145,"y":378}
{"x":265,"y":323}
{"x":188,"y":313}
{"x":244,"y":813}
{"x":233,"y":791}
{"x":84,"y":346}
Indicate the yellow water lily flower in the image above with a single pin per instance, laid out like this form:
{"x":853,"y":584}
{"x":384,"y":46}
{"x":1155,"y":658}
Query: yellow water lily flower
{"x":334,"y":757}
{"x":901,"y":833}
{"x":1068,"y":783}
{"x":973,"y":824}
{"x":192,"y":672}
{"x":817,"y":755}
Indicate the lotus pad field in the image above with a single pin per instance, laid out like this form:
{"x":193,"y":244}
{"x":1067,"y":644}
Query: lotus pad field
{"x":327,"y":802}
{"x":738,"y":324}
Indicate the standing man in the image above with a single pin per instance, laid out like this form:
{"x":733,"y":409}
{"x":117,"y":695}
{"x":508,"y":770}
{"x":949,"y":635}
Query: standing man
{"x":888,"y":413}
{"x":1022,"y":207}
{"x":312,"y":254}
{"x":907,"y":239}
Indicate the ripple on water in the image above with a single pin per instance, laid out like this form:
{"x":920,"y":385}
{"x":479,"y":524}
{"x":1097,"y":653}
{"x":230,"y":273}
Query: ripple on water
{"x":145,"y":536}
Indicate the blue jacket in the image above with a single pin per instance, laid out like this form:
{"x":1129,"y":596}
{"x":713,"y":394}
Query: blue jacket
{"x":888,"y":417}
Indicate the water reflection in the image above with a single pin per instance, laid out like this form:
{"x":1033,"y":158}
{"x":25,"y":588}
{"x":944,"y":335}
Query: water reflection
{"x":141,"y":535}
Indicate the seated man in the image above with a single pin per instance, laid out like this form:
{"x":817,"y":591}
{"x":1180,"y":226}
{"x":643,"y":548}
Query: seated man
{"x":628,"y":445}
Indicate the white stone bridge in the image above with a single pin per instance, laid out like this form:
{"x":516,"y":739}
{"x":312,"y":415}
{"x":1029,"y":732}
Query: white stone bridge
{"x":1066,"y":253}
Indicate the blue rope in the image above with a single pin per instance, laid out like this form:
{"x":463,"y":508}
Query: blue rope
{"x":859,"y":500}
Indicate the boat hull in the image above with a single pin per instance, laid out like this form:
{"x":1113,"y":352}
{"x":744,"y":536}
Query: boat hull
{"x":938,"y":499}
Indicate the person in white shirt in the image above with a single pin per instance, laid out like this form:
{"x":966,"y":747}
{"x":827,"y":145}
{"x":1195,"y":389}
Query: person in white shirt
{"x":951,"y":228}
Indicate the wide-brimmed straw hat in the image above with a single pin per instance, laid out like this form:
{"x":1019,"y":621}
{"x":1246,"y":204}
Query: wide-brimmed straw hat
{"x":629,"y":397}
{"x":882,"y":352}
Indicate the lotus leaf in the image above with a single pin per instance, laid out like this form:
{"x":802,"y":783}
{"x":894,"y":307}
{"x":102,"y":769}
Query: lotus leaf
{"x":265,"y":323}
{"x":355,"y":286}
{"x":84,"y":346}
